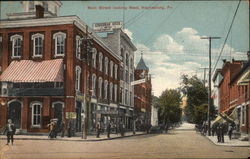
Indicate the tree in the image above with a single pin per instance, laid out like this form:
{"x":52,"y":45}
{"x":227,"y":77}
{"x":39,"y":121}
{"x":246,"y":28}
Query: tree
{"x":197,"y":99}
{"x":169,"y":107}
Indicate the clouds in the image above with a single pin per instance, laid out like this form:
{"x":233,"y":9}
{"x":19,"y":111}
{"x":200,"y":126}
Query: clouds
{"x":171,"y":56}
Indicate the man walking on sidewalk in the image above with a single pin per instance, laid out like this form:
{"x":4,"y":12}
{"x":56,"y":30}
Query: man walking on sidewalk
{"x":98,"y":129}
{"x":108,"y":129}
{"x":10,"y":131}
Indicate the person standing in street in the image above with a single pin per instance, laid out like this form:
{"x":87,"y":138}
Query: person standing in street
{"x":10,"y":130}
{"x":230,"y":131}
{"x":222,"y":132}
{"x":108,"y":129}
{"x":218,"y":133}
{"x":98,"y":129}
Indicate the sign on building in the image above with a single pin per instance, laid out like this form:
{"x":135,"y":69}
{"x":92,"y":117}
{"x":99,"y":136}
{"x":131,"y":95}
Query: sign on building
{"x":138,"y":82}
{"x":107,"y":26}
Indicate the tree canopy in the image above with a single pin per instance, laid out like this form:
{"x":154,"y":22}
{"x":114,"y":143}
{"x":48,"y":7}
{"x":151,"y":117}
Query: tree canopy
{"x":197,"y":99}
{"x":169,"y":106}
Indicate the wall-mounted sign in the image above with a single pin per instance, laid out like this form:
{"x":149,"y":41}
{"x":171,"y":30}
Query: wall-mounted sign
{"x":107,"y":26}
{"x":138,"y":82}
{"x":70,"y":115}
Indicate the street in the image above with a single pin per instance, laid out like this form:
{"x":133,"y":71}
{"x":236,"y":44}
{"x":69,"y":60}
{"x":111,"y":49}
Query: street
{"x":178,"y":143}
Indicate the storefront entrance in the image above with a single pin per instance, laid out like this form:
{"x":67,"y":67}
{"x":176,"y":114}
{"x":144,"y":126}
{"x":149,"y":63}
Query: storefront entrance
{"x":14,"y":113}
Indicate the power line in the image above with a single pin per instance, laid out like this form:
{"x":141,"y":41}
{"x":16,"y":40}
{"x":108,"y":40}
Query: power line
{"x":158,"y":28}
{"x":227,"y":35}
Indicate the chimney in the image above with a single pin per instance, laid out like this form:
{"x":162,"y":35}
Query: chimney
{"x":39,"y":11}
{"x":248,"y":55}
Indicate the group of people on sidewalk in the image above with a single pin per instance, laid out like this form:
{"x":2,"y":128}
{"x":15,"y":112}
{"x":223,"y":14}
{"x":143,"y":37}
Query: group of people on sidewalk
{"x":110,"y":125}
{"x":220,"y":129}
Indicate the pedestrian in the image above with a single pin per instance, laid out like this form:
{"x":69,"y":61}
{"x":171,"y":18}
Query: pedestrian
{"x":222,"y":132}
{"x":51,"y":126}
{"x":108,"y":129}
{"x":218,"y":133}
{"x":121,"y":128}
{"x":98,"y":129}
{"x":10,"y":130}
{"x":69,"y":128}
{"x":230,"y":131}
{"x":62,"y":128}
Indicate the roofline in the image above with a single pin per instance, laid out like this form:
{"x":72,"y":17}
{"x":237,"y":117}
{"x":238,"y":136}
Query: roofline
{"x":50,"y":21}
{"x":247,"y":65}
{"x":216,"y":74}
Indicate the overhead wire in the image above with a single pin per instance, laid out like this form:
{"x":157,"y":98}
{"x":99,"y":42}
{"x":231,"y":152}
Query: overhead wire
{"x":235,"y":13}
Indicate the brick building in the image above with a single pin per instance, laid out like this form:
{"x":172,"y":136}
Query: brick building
{"x":143,"y":95}
{"x":234,"y":93}
{"x":46,"y":71}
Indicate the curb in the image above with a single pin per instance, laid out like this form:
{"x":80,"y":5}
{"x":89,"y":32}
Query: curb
{"x":78,"y":140}
{"x":226,"y":145}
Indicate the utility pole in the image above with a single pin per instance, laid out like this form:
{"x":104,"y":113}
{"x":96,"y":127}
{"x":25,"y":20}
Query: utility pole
{"x":88,"y":60}
{"x":204,"y":77}
{"x":209,"y":84}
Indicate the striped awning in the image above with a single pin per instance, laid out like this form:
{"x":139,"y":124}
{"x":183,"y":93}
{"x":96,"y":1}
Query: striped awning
{"x":28,"y":71}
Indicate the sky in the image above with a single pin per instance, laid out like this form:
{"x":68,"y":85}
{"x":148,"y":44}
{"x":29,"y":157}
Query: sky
{"x":169,"y":34}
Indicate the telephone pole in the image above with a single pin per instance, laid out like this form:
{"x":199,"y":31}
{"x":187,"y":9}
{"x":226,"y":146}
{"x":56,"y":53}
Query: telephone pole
{"x":209,"y":84}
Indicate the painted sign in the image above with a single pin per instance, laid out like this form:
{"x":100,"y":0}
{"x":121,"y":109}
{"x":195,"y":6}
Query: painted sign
{"x":138,"y":82}
{"x":107,"y":26}
{"x":70,"y":115}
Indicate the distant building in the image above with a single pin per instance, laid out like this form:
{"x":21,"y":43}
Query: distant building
{"x":234,"y":94}
{"x":183,"y":105}
{"x":143,"y":95}
{"x":216,"y":91}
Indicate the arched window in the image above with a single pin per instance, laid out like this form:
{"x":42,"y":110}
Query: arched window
{"x":106,"y":89}
{"x":100,"y":61}
{"x":78,"y":47}
{"x":122,"y":54}
{"x":59,"y":43}
{"x":36,"y":108}
{"x":78,"y":78}
{"x":37,"y":44}
{"x":111,"y":68}
{"x":111,"y":91}
{"x":94,"y":85}
{"x":94,"y":57}
{"x":106,"y":65}
{"x":17,"y":41}
{"x":100,"y":87}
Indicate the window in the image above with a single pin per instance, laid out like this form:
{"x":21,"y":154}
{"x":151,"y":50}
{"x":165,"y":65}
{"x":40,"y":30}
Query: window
{"x":126,"y":76}
{"x":100,"y":61}
{"x":100,"y":87}
{"x":127,"y":60}
{"x":122,"y":54}
{"x":45,"y":6}
{"x":111,"y":91}
{"x":16,"y":45}
{"x":115,"y":93}
{"x":31,"y":6}
{"x":94,"y":57}
{"x":78,"y":78}
{"x":121,"y":95}
{"x":106,"y":89}
{"x":131,"y":77}
{"x":131,"y":64}
{"x":78,"y":47}
{"x":37,"y":44}
{"x":130,"y":97}
{"x":106,"y":65}
{"x":59,"y":43}
{"x":126,"y":97}
{"x":36,"y":114}
{"x":116,"y":69}
{"x":111,"y":68}
{"x":121,"y":74}
{"x":94,"y":84}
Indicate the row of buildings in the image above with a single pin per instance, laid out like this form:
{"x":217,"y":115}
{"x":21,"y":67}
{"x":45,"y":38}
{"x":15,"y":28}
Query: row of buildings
{"x":232,"y":92}
{"x":55,"y":66}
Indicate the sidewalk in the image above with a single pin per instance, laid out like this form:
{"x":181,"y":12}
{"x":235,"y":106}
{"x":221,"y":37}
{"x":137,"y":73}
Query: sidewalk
{"x":227,"y":142}
{"x":59,"y":138}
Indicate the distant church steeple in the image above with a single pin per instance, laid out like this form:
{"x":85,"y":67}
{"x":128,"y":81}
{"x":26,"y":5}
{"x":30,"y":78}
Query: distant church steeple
{"x":141,"y":65}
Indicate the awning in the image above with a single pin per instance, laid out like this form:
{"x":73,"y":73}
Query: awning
{"x":28,"y":71}
{"x":245,"y":78}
